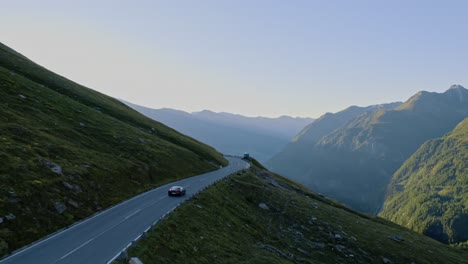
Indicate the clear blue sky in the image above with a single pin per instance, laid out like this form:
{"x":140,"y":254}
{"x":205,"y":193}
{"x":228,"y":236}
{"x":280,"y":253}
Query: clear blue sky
{"x":252,"y":57}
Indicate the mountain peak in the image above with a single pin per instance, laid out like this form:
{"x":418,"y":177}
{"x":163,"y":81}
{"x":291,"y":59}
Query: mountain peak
{"x":456,"y":87}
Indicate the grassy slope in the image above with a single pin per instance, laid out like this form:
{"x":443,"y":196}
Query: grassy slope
{"x":107,"y":151}
{"x":429,"y":193}
{"x":225,"y":224}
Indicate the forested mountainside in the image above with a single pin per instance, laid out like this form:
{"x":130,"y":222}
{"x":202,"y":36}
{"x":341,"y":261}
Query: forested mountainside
{"x":429,"y":193}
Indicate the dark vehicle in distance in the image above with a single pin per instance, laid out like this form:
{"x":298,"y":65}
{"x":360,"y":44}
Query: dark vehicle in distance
{"x":176,"y":191}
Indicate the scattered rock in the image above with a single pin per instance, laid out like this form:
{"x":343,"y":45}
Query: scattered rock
{"x":77,"y":189}
{"x":397,"y":238}
{"x":199,"y":206}
{"x":263,"y":206}
{"x":386,"y":260}
{"x":55,"y":168}
{"x":318,"y":245}
{"x":72,"y":187}
{"x":274,"y":250}
{"x":135,"y":260}
{"x":82,"y":124}
{"x":304,"y":252}
{"x":10,"y":216}
{"x":297,"y":233}
{"x":73,"y":203}
{"x":3,"y":247}
{"x":67,"y":185}
{"x":86,"y":166}
{"x":363,"y":252}
{"x":340,"y":248}
{"x":22,"y":96}
{"x":60,"y":207}
{"x":13,"y":198}
{"x":1,"y":220}
{"x":338,"y":236}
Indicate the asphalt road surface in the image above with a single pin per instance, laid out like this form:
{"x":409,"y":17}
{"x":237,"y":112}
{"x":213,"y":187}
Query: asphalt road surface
{"x":101,"y":237}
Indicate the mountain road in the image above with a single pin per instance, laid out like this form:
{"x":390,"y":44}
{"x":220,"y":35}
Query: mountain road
{"x":101,"y":237}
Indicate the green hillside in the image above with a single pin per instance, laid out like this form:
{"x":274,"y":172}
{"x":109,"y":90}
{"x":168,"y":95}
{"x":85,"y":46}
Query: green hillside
{"x":354,"y":163}
{"x":429,"y":193}
{"x":67,"y":151}
{"x":259,"y":217}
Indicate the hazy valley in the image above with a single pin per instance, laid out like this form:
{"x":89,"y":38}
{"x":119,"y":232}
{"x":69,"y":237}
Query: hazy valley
{"x":230,"y":133}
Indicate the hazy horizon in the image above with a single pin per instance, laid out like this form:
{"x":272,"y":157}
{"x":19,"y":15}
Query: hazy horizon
{"x":253,"y":58}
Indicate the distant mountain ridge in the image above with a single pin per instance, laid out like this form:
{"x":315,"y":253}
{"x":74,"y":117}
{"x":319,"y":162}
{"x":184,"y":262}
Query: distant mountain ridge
{"x":294,"y":158}
{"x":262,"y":137}
{"x":429,"y":192}
{"x":355,"y":159}
{"x":328,"y":122}
{"x":283,"y":126}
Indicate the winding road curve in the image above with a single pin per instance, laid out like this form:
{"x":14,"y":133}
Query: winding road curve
{"x":101,"y":237}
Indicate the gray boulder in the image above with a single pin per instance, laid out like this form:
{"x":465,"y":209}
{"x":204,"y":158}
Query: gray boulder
{"x":55,"y":168}
{"x":10,"y":216}
{"x":386,"y":260}
{"x":73,"y":203}
{"x":60,"y":207}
